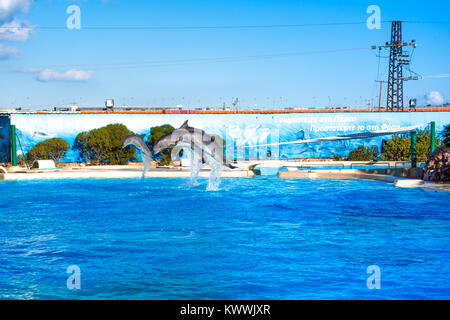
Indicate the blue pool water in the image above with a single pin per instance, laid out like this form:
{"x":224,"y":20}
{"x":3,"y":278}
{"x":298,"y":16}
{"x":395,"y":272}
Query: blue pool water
{"x":262,"y":238}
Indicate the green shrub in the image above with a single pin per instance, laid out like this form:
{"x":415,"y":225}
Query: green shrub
{"x":53,"y":149}
{"x":446,"y":136}
{"x":363,"y":153}
{"x":337,"y":157}
{"x":155,"y":134}
{"x":399,"y":147}
{"x":104,"y":145}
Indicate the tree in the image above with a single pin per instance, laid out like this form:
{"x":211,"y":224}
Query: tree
{"x":363,"y":153}
{"x":80,"y":146}
{"x":399,"y":147}
{"x":52,"y":149}
{"x":104,"y":145}
{"x":446,"y":136}
{"x":116,"y":133}
{"x":155,"y":134}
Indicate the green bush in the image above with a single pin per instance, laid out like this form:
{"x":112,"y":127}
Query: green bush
{"x":155,"y":134}
{"x":53,"y":149}
{"x":363,"y":153}
{"x":104,"y":145}
{"x":399,"y":147}
{"x":446,"y":136}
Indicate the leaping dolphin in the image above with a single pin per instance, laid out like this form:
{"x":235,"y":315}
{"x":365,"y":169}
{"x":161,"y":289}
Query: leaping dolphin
{"x":138,"y":142}
{"x":198,"y":140}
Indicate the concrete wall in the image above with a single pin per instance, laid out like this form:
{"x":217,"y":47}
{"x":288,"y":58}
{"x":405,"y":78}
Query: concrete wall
{"x":237,"y":129}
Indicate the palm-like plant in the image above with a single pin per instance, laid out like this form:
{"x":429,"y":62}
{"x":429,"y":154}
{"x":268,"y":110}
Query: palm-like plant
{"x":446,"y":136}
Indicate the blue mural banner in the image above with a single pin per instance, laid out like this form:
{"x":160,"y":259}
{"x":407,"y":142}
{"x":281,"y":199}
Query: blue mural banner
{"x":5,"y":139}
{"x":240,"y":131}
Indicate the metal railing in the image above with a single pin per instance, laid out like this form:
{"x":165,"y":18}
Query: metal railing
{"x":422,"y":160}
{"x":374,"y":164}
{"x":401,"y":162}
{"x":311,"y":167}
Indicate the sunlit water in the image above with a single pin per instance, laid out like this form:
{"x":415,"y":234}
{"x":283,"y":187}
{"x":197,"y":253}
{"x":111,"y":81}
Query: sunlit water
{"x":262,"y":238}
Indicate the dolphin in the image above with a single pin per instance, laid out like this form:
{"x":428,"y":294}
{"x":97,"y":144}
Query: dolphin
{"x":137,"y":141}
{"x":40,"y":134}
{"x":198,"y":139}
{"x":175,"y":154}
{"x":198,"y":153}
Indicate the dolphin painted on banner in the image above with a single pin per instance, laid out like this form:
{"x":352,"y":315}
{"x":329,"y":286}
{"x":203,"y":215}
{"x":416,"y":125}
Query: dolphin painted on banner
{"x":197,"y":139}
{"x":353,"y":136}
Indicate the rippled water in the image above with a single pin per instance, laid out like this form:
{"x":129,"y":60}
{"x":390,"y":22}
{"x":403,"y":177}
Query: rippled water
{"x":262,"y":238}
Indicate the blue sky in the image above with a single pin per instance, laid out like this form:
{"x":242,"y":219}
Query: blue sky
{"x":42,"y":69}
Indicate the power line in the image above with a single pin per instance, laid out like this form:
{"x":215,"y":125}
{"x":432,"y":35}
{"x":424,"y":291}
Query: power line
{"x":190,"y":27}
{"x":425,"y":22}
{"x":268,"y":26}
{"x":181,"y":61}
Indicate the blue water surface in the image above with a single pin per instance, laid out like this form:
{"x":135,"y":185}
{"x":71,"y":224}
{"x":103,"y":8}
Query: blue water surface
{"x":262,"y":238}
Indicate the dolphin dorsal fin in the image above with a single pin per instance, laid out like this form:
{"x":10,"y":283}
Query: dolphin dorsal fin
{"x":185,"y":125}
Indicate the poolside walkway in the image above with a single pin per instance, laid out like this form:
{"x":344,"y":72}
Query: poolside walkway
{"x":111,"y":172}
{"x":401,"y":177}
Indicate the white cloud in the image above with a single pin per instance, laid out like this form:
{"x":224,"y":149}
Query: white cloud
{"x":69,"y":75}
{"x":10,"y":8}
{"x":15,"y":31}
{"x":434,"y":98}
{"x":12,"y":29}
{"x":8,"y":52}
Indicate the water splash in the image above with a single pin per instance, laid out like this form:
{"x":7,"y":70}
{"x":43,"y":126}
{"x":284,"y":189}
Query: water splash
{"x":196,"y":159}
{"x":215,"y":175}
{"x":147,"y":164}
{"x":196,"y":165}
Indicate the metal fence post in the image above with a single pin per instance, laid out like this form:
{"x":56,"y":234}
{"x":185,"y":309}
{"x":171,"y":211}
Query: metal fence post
{"x":433,"y":137}
{"x":13,"y":146}
{"x":413,"y":149}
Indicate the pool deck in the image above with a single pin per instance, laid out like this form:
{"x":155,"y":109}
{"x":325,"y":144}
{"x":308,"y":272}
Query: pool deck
{"x":401,"y":177}
{"x":389,"y":172}
{"x":111,"y":172}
